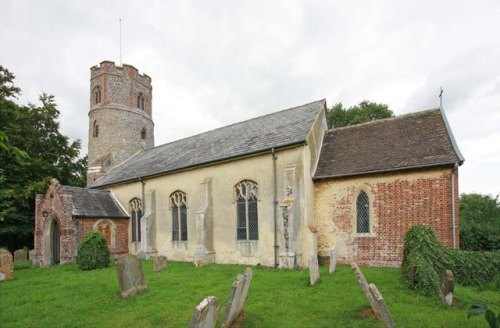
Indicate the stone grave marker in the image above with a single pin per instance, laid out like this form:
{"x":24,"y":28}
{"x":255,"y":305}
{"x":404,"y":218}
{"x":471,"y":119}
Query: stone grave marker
{"x":333,"y":259}
{"x":447,"y":287}
{"x":6,"y":265}
{"x":20,"y":254}
{"x":364,"y":286}
{"x":313,"y":270}
{"x":237,"y":298}
{"x":205,"y":314}
{"x":159,"y":263}
{"x":142,"y":255}
{"x":382,"y":308}
{"x":130,"y":275}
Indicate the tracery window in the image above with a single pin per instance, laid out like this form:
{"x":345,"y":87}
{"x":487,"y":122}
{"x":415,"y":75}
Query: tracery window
{"x":136,"y":215}
{"x":179,"y":215}
{"x":97,"y":95}
{"x":362,"y":213}
{"x":246,"y":194}
{"x":105,"y":229}
{"x":140,"y":101}
{"x":95,"y":130}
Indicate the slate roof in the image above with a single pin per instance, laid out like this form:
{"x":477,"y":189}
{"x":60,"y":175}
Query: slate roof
{"x":93,"y":203}
{"x":280,"y":129}
{"x":413,"y":140}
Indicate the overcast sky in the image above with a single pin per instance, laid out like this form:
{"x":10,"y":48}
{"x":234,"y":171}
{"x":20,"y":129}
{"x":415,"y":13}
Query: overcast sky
{"x":218,"y":62}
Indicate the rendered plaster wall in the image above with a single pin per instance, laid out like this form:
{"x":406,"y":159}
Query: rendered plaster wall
{"x":223,"y":177}
{"x":397,"y":202}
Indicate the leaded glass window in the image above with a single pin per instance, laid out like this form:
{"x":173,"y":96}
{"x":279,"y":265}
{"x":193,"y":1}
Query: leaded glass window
{"x":179,"y":216}
{"x":247,"y":225}
{"x":362,"y":213}
{"x":135,"y":215}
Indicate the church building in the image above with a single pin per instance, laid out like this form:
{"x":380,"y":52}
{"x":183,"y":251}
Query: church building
{"x":273,"y":190}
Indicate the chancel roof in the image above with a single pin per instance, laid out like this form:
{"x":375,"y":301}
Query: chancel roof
{"x":415,"y":140}
{"x":93,"y":203}
{"x":280,"y":129}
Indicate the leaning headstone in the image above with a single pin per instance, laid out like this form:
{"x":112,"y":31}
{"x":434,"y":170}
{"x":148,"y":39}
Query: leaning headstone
{"x":6,"y":265}
{"x":159,"y":263}
{"x":237,"y":298}
{"x":382,"y":309}
{"x":205,"y":314}
{"x":333,"y":259}
{"x":447,"y":287}
{"x":20,"y":254}
{"x":313,"y":270}
{"x":130,"y":275}
{"x":142,"y":255}
{"x":364,"y":286}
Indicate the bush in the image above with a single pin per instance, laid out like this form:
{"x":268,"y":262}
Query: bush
{"x":425,"y":259}
{"x":93,"y":253}
{"x":479,"y":238}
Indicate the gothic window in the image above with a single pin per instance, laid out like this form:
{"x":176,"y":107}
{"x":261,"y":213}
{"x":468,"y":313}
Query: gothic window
{"x":246,"y":193}
{"x":95,"y":130}
{"x":105,"y":229}
{"x":362,"y":213}
{"x":140,"y":101}
{"x":135,"y":215}
{"x":143,"y":133}
{"x":179,"y":215}
{"x":97,"y":95}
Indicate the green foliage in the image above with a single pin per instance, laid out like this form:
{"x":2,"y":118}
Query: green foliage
{"x":480,"y":307}
{"x":425,"y":259}
{"x":93,"y":253}
{"x":480,"y":222}
{"x":32,"y":151}
{"x":363,"y":112}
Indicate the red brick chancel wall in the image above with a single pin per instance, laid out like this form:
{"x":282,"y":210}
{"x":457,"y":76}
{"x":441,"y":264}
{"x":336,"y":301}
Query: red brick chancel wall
{"x":397,"y":202}
{"x":119,"y":233}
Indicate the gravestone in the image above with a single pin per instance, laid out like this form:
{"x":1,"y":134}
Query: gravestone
{"x":31,"y":254}
{"x":6,"y":265}
{"x":237,"y":298}
{"x":447,"y":287}
{"x":313,"y":270}
{"x":333,"y":259}
{"x":205,"y":314}
{"x":364,"y":286}
{"x":20,"y":254}
{"x":382,"y":309}
{"x":130,"y":275}
{"x":159,"y":263}
{"x":142,"y":255}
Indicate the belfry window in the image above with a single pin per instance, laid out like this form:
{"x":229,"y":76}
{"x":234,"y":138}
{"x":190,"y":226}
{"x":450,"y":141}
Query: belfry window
{"x":179,"y":216}
{"x":97,"y":95}
{"x":362,"y":213}
{"x":247,"y":225}
{"x":95,"y":130}
{"x":136,"y":215}
{"x":140,"y":101}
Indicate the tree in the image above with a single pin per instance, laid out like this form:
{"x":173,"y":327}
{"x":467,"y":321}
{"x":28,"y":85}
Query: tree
{"x":32,"y":151}
{"x":365,"y":111}
{"x":479,"y":222}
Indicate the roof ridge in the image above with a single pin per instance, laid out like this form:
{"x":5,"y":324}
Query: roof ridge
{"x":385,"y":119}
{"x":229,"y":125}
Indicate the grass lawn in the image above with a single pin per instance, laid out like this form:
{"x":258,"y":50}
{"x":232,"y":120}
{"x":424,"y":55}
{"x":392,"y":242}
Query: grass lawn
{"x":64,"y":296}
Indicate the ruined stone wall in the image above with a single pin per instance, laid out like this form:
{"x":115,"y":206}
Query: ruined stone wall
{"x":119,"y":119}
{"x":397,"y":202}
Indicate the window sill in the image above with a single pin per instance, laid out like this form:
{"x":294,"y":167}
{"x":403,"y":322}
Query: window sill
{"x":365,"y":235}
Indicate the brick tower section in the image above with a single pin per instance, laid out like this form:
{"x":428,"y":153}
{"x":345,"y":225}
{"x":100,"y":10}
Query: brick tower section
{"x":120,"y":116}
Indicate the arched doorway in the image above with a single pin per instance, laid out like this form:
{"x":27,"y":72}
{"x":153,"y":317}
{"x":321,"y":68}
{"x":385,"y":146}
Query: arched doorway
{"x":55,"y":243}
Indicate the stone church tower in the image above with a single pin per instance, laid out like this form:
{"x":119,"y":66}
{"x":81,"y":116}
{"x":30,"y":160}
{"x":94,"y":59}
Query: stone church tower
{"x":120,"y":117}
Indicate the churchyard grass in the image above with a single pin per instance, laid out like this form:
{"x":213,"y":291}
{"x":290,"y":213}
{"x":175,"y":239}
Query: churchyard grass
{"x":64,"y":296}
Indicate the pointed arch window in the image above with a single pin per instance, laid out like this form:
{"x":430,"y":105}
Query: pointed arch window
{"x":362,"y":213}
{"x":247,"y":220}
{"x":95,"y":129}
{"x":141,"y":101}
{"x":106,"y":229}
{"x":179,"y":216}
{"x":143,"y":133}
{"x":97,"y":95}
{"x":136,"y":215}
